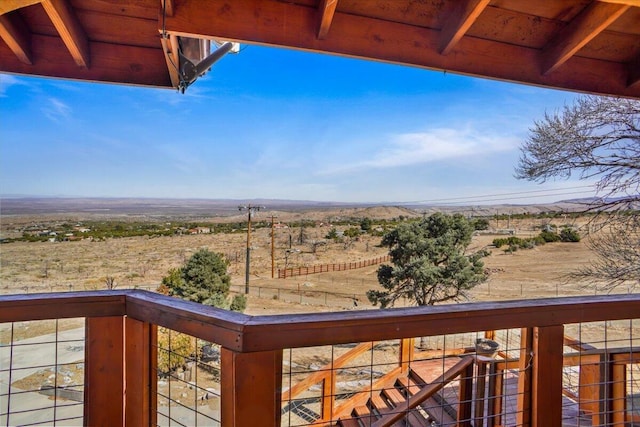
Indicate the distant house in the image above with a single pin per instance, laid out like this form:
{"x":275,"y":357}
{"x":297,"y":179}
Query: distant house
{"x":200,"y":230}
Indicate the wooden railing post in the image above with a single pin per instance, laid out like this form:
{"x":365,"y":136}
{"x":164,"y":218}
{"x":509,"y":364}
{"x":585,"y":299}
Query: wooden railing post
{"x":140,"y":373}
{"x":546,"y":398}
{"x":251,"y":386}
{"x":104,"y":371}
{"x":328,"y":395}
{"x":615,"y":400}
{"x":523,"y":415}
{"x":465,"y":397}
{"x":407,"y":347}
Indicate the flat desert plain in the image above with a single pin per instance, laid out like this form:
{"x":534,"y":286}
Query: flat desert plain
{"x":141,"y":262}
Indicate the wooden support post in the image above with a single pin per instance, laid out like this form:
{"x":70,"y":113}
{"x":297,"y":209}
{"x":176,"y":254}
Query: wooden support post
{"x":466,"y":397}
{"x":523,"y":416}
{"x":104,"y":371}
{"x":617,"y":404}
{"x":251,"y":386}
{"x":328,"y":395}
{"x":494,"y":408}
{"x":407,"y":346}
{"x":589,"y":391}
{"x":546,"y":399}
{"x":140,"y":373}
{"x":481,"y":380}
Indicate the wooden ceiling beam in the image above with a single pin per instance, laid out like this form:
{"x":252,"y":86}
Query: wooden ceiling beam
{"x":635,"y":3}
{"x":70,"y":30}
{"x":581,"y":30}
{"x":261,"y":22}
{"x":110,"y":63}
{"x":16,"y":35}
{"x":7,"y":6}
{"x":168,"y":6}
{"x":326,"y":12}
{"x":459,"y":22}
{"x":170,"y":48}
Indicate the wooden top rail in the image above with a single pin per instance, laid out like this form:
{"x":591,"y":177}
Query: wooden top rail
{"x":244,"y":333}
{"x":61,"y":305}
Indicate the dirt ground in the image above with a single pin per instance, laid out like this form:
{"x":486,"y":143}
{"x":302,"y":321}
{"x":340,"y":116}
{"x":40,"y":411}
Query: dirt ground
{"x":142,"y":262}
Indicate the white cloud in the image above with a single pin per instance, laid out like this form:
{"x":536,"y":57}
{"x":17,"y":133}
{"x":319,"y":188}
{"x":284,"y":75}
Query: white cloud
{"x":6,"y":81}
{"x":56,"y":110}
{"x":430,"y":146}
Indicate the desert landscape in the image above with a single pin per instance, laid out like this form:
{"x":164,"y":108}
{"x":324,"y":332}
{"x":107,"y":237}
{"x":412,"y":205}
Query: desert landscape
{"x":142,"y":261}
{"x":300,"y":241}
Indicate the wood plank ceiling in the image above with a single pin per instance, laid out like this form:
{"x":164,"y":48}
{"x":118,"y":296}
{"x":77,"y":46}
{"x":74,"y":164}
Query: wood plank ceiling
{"x":583,"y":45}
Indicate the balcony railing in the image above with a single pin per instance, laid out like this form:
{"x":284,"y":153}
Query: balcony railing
{"x":149,"y":359}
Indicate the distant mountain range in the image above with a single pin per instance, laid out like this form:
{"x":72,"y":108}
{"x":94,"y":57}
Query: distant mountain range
{"x":157,"y":207}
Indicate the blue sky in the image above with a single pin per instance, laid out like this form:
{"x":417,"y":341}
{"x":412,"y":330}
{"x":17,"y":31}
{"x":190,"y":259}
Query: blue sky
{"x":272,"y":123}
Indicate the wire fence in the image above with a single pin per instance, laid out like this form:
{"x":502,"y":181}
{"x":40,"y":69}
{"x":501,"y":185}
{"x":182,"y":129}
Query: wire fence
{"x":42,"y":372}
{"x":283,"y":273}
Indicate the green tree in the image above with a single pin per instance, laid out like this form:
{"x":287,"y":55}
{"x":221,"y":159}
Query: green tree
{"x":204,"y":279}
{"x":429,"y":262}
{"x":366,"y":224}
{"x":332,"y":234}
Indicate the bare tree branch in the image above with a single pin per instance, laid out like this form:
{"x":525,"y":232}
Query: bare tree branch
{"x":596,"y":137}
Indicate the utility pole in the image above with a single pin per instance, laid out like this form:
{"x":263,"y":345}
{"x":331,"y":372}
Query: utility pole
{"x":273,"y":233}
{"x":249,"y":209}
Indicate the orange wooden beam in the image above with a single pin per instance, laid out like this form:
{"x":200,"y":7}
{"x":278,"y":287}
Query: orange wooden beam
{"x":104,"y":371}
{"x":168,"y":6}
{"x":461,"y":19}
{"x":326,"y":12}
{"x":261,"y":22}
{"x":546,"y":396}
{"x":140,"y":372}
{"x":594,"y":19}
{"x":170,"y":48}
{"x":523,"y":414}
{"x":627,"y":2}
{"x":17,"y":37}
{"x":250,"y":383}
{"x":7,"y":6}
{"x":70,"y":30}
{"x":111,"y":63}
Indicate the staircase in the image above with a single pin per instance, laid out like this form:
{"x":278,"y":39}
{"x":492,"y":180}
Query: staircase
{"x":416,"y":398}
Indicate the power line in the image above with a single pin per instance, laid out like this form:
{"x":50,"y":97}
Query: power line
{"x":512,"y":198}
{"x":547,"y":192}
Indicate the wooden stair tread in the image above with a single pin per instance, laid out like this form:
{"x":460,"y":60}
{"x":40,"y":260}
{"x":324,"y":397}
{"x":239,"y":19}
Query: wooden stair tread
{"x":426,"y":371}
{"x":348,"y":422}
{"x":394,"y":396}
{"x":408,"y":385}
{"x":436,"y":411}
{"x":377,"y":402}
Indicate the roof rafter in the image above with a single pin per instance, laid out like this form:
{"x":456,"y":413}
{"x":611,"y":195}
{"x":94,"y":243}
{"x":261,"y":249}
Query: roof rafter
{"x":168,"y":7}
{"x":581,"y":30}
{"x":460,"y":20}
{"x":70,"y":30}
{"x":14,"y":32}
{"x":260,"y":22}
{"x":7,"y":6}
{"x":170,"y":48}
{"x":627,"y":2}
{"x":326,"y":11}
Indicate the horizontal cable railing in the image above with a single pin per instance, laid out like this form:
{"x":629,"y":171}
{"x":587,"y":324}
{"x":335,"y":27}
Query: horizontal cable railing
{"x":155,"y":360}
